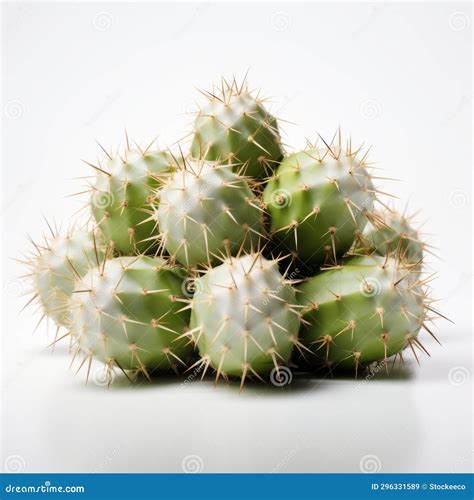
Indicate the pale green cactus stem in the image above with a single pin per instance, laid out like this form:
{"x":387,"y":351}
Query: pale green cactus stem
{"x":318,"y":200}
{"x":207,"y":211}
{"x":57,"y":263}
{"x":128,"y":313}
{"x":123,"y":196}
{"x":244,"y":318}
{"x":363,"y":312}
{"x":235,"y":128}
{"x":392,"y":232}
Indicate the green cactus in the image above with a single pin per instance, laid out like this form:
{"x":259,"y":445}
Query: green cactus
{"x":244,"y":318}
{"x":205,"y":211}
{"x":128,"y":313}
{"x":55,"y":267}
{"x":361,"y":312}
{"x":123,"y":196}
{"x":317,"y":200}
{"x":392,"y":232}
{"x":234,"y":127}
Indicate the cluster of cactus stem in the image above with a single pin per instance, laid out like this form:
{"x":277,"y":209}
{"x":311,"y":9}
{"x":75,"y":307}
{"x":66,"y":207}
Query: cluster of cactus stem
{"x":235,"y":256}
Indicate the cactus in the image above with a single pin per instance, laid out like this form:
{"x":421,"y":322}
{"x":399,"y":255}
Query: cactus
{"x":392,"y":232}
{"x":206,"y":210}
{"x":317,"y":200}
{"x":123,"y":195}
{"x":363,"y":311}
{"x":57,"y":264}
{"x":128,"y":314}
{"x":234,"y":127}
{"x":200,"y":254}
{"x":244,"y":318}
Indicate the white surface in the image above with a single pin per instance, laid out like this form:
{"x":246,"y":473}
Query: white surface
{"x":395,"y":75}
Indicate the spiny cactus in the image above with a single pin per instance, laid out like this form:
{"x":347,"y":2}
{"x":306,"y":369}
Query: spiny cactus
{"x":203,"y":253}
{"x":392,"y":232}
{"x":206,"y":210}
{"x":363,"y":311}
{"x":244,"y":318}
{"x":128,"y":313}
{"x":123,"y":195}
{"x":57,"y":263}
{"x":317,"y":200}
{"x":234,"y":127}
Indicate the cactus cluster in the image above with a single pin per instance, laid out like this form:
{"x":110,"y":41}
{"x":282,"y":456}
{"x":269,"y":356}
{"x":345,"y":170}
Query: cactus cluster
{"x":236,"y":257}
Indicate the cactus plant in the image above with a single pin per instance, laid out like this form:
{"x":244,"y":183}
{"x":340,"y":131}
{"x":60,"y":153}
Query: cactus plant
{"x":234,"y":127}
{"x":206,"y":210}
{"x":363,"y":311}
{"x":244,"y":318}
{"x":317,"y":200}
{"x":252,"y":259}
{"x":55,"y":267}
{"x":128,"y":313}
{"x":123,"y":195}
{"x":392,"y":232}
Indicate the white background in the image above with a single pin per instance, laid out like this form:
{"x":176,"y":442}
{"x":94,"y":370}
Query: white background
{"x":394,"y":75}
